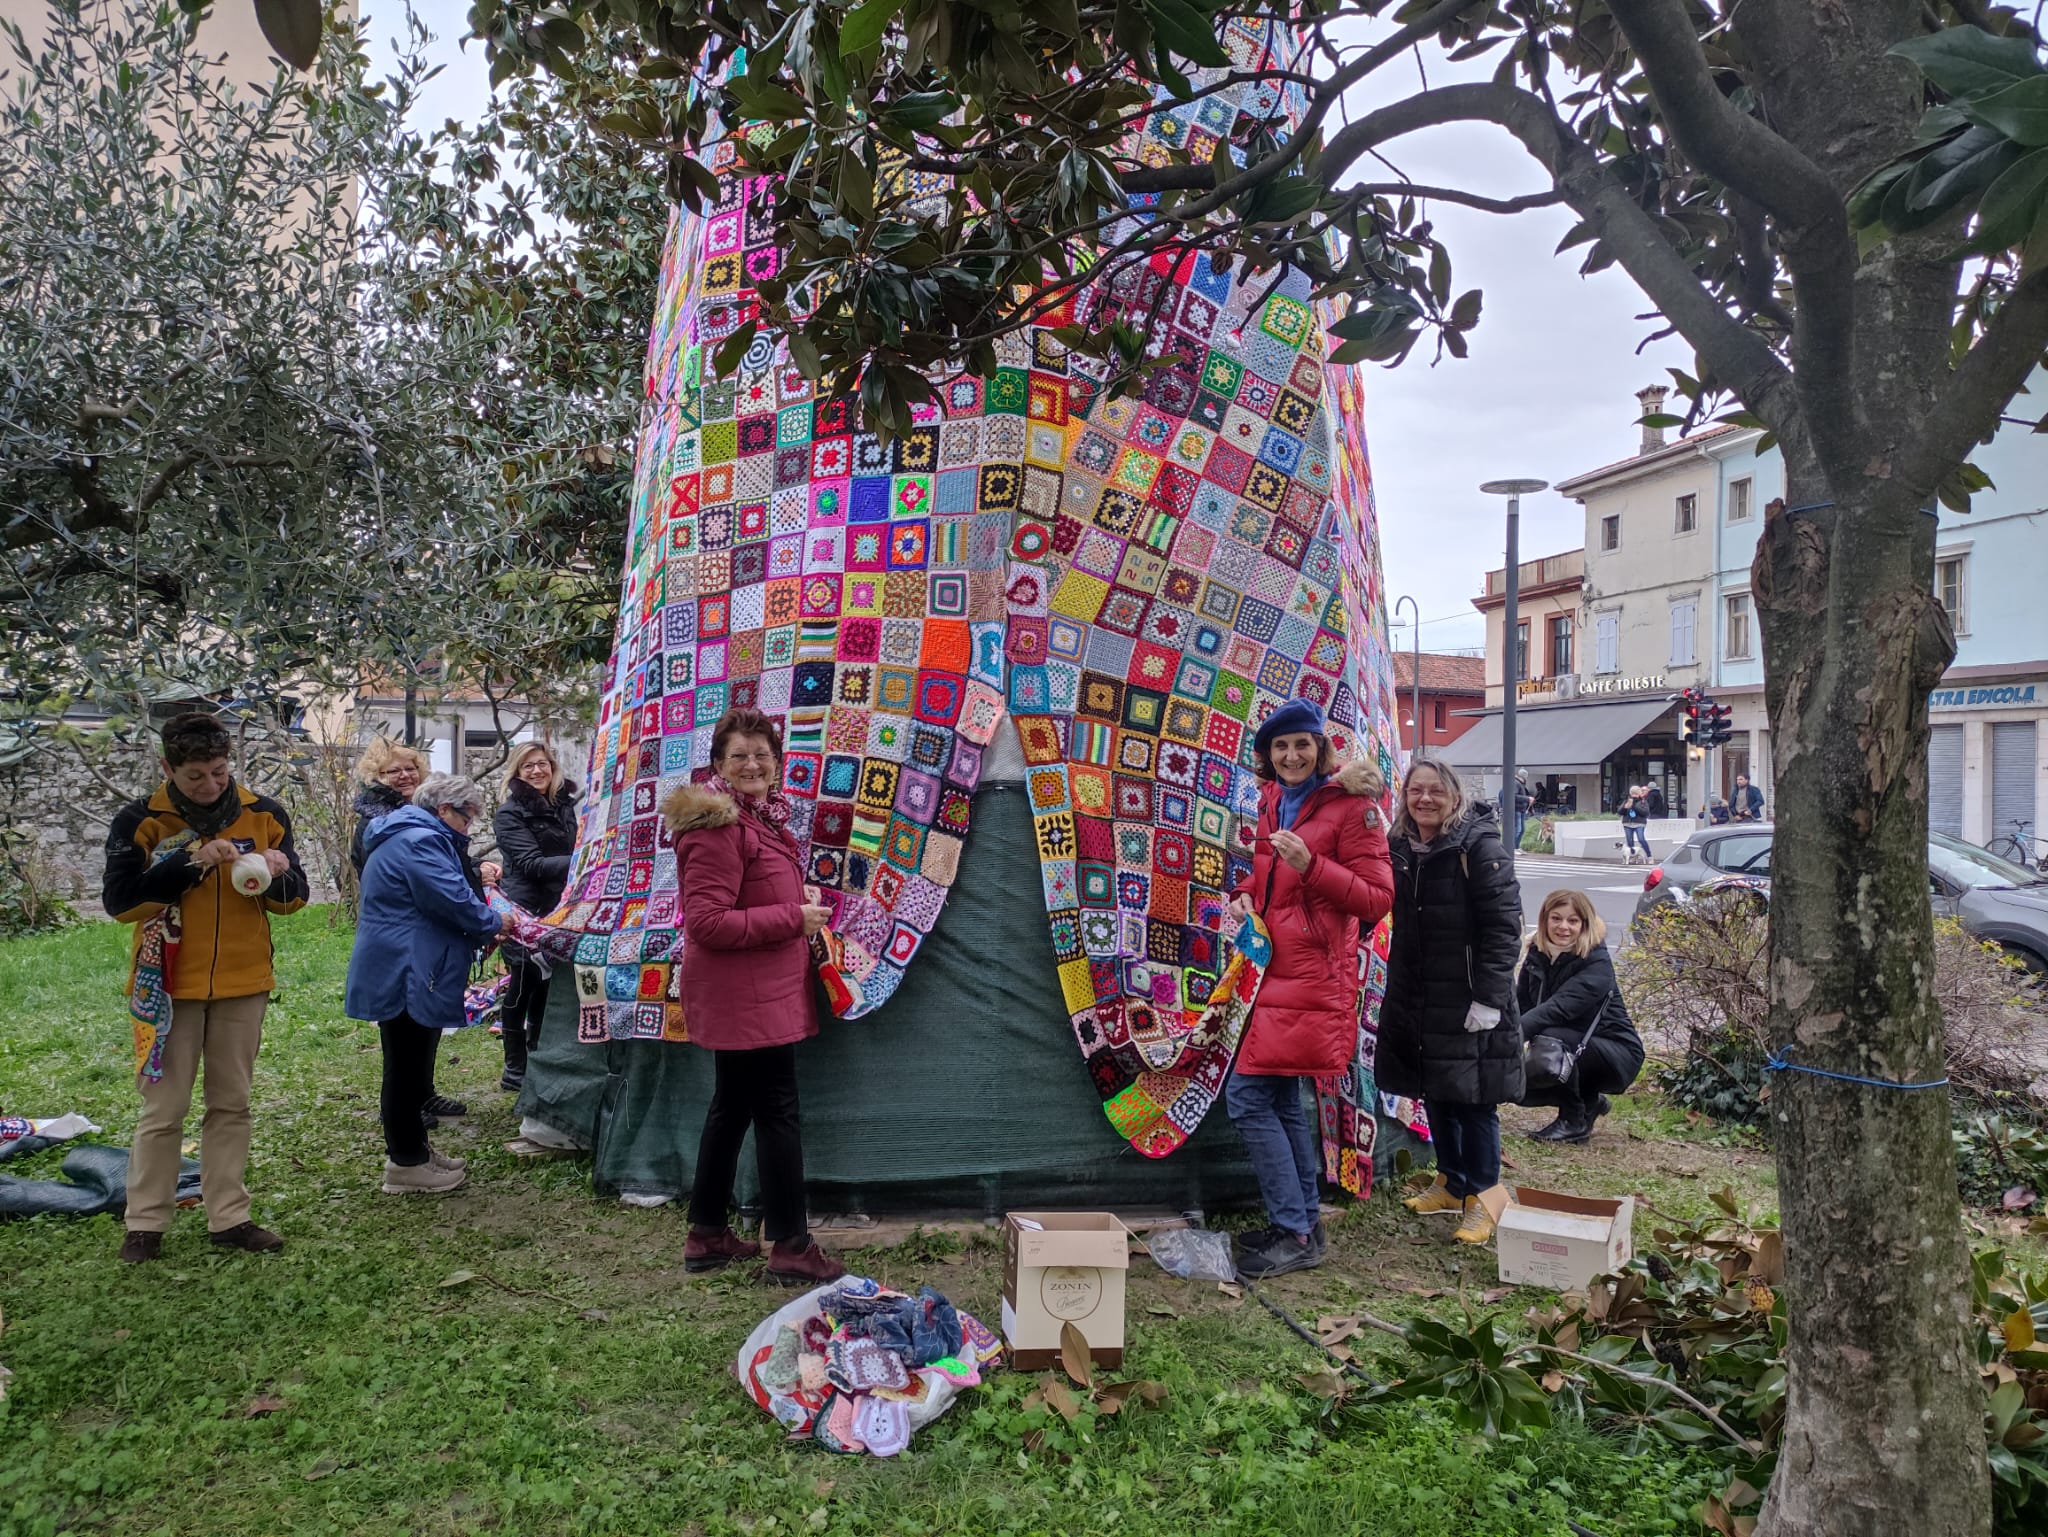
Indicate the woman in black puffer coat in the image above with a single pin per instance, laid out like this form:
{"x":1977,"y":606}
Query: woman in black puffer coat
{"x":1448,"y":1033}
{"x":1567,"y":990}
{"x":536,"y":831}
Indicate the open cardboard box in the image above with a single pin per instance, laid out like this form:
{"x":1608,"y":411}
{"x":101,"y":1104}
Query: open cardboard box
{"x":1063,"y":1267}
{"x":1546,"y":1238}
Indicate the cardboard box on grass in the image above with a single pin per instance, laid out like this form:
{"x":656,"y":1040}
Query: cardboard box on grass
{"x":1063,"y":1267}
{"x":1546,"y":1238}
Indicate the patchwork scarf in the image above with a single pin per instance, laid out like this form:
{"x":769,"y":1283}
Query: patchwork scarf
{"x":773,"y":809}
{"x":156,"y":960}
{"x":1137,"y":582}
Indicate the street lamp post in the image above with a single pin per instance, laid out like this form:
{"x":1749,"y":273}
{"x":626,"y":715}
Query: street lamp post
{"x":1514,"y":491}
{"x":1415,"y":682}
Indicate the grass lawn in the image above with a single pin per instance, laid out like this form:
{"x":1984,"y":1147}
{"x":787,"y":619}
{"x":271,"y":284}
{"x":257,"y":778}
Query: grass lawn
{"x":581,"y":1382}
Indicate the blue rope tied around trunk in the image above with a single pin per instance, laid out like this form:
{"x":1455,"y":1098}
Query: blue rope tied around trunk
{"x":1780,"y":1062}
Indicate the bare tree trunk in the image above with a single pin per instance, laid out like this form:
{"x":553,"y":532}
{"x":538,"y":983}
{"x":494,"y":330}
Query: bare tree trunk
{"x":1884,"y":1412}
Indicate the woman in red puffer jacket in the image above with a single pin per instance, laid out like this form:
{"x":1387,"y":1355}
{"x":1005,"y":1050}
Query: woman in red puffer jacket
{"x":1321,"y":881}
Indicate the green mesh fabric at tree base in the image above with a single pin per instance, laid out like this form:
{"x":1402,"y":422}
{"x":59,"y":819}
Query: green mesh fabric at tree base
{"x":959,"y":1094}
{"x":1136,"y":581}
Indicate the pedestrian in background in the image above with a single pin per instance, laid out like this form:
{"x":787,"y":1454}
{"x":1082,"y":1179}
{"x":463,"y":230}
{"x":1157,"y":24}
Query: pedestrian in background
{"x":422,"y":922}
{"x":1635,"y":817}
{"x":1320,"y":881}
{"x":1749,"y":800}
{"x":536,"y":830}
{"x":1448,"y":1032}
{"x":1580,"y":1044}
{"x":198,"y":867}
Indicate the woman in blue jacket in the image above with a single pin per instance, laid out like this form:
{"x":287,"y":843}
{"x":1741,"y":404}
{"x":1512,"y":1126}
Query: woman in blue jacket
{"x":421,"y":926}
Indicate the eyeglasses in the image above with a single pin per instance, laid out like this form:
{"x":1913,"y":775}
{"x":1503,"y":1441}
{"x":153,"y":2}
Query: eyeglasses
{"x":750,"y":757}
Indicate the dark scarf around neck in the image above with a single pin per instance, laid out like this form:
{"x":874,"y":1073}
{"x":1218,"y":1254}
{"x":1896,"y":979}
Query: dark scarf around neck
{"x":206,"y":822}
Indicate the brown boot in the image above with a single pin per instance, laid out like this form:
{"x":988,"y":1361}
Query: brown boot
{"x":138,"y":1247}
{"x":247,"y":1237}
{"x":800,"y":1262}
{"x":713,"y":1248}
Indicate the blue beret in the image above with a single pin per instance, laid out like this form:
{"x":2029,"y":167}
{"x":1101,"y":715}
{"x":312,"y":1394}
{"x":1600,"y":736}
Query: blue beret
{"x":1295,"y":715}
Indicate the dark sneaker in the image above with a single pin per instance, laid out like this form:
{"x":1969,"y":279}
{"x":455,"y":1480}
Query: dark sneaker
{"x":139,"y":1248}
{"x":1285,"y":1254}
{"x":512,"y":1082}
{"x":1318,"y":1239}
{"x":247,"y":1237}
{"x":441,"y":1105}
{"x":800,"y":1262}
{"x":1554,"y":1130}
{"x":1255,"y":1239}
{"x":714,"y":1249}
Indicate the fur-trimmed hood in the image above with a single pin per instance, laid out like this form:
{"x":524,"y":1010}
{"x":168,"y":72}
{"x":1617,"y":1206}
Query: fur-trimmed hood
{"x":688,"y":808}
{"x":1360,"y":776}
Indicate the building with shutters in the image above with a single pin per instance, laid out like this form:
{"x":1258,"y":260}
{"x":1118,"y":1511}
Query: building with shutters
{"x":1665,"y":604}
{"x":1453,"y":688}
{"x":1988,"y":762}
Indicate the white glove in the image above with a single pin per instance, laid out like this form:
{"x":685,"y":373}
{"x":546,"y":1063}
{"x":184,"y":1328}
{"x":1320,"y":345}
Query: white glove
{"x":1480,"y":1018}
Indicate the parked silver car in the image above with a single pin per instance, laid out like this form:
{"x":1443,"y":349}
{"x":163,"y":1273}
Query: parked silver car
{"x":1991,"y":897}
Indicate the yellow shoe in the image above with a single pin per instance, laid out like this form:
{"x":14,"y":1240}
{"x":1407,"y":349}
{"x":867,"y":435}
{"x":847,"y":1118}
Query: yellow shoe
{"x":1435,"y":1198}
{"x":1477,"y":1225}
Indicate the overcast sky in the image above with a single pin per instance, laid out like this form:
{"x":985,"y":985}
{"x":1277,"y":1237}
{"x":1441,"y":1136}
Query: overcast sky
{"x":1547,"y":392}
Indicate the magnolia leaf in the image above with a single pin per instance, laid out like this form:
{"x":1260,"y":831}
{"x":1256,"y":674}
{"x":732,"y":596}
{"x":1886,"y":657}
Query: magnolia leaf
{"x":1188,"y":32}
{"x":1968,"y":60}
{"x":1153,"y":1393}
{"x":2011,"y":204}
{"x":262,"y":1404}
{"x":2018,"y":1330}
{"x":1059,"y":1397}
{"x":1111,"y":1399}
{"x":1324,"y":1384}
{"x":1074,"y":1355}
{"x":865,"y":24}
{"x":458,"y":1278}
{"x":292,"y":27}
{"x":2020,"y":111}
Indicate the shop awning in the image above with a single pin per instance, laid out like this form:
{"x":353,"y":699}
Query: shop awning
{"x":1556,"y":738}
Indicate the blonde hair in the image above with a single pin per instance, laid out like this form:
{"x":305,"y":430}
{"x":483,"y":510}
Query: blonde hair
{"x":1592,"y":927}
{"x":382,"y":753}
{"x":526,"y":750}
{"x":1454,"y":788}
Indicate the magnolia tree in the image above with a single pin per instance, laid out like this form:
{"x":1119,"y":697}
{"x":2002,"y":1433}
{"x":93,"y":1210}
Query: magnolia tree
{"x":1839,"y":206}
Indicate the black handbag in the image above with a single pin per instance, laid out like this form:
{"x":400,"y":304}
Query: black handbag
{"x":1547,"y":1063}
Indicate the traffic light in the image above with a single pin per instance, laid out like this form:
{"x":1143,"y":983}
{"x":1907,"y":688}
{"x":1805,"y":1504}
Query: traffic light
{"x":1715,"y":726}
{"x":1689,"y":721}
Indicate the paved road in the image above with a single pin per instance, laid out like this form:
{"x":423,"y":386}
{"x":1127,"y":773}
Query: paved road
{"x":1613,"y":887}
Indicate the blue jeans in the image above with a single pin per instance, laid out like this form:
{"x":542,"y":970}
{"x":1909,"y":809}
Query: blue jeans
{"x":1269,"y":1115}
{"x":1636,"y":834}
{"x":1467,"y":1139}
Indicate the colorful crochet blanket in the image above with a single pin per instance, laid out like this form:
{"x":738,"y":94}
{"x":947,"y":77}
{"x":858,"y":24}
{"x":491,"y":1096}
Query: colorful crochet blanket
{"x":1137,"y":582}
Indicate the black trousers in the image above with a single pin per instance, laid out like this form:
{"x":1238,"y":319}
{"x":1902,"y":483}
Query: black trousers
{"x":1603,"y":1068}
{"x":408,"y":1079}
{"x":526,"y":1000}
{"x":757,"y":1089}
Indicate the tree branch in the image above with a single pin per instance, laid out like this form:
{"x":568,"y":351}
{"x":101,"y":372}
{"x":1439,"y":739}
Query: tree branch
{"x":1737,"y":356}
{"x":1990,"y":374}
{"x":1726,"y":142}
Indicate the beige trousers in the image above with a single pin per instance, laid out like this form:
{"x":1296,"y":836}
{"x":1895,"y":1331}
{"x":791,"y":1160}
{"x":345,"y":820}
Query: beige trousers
{"x":224,"y":1033}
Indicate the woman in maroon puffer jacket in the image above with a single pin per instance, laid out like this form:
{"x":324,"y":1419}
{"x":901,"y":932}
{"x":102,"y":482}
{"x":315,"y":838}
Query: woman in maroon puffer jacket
{"x":746,"y":992}
{"x":1321,"y":880}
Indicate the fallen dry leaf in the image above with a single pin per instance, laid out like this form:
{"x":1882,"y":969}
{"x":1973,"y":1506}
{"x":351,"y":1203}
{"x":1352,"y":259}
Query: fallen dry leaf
{"x":1324,"y":1384}
{"x":1494,"y":1294}
{"x":321,"y":1469}
{"x":1074,"y":1356}
{"x":262,"y":1404}
{"x":1231,"y":1289}
{"x":1552,"y":1381}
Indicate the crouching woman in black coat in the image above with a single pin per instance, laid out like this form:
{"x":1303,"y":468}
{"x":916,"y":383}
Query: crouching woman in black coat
{"x":1567,"y":992}
{"x":1448,"y":1033}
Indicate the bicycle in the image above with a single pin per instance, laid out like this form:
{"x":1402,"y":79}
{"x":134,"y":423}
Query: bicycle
{"x":2017,"y":846}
